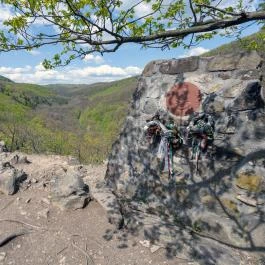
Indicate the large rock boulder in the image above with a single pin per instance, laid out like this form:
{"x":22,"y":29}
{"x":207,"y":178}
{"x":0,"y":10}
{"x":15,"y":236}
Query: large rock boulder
{"x":19,"y":159}
{"x":69,"y":191}
{"x":10,"y":179}
{"x":231,"y":90}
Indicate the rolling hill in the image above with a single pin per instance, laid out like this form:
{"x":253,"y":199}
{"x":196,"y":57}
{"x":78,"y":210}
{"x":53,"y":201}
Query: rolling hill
{"x":2,"y":78}
{"x":254,"y":41}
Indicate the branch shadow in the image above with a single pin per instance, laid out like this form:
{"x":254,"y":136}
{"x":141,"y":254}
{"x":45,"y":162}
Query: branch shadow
{"x":197,"y":215}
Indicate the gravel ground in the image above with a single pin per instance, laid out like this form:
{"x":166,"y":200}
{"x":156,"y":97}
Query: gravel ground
{"x":52,"y":236}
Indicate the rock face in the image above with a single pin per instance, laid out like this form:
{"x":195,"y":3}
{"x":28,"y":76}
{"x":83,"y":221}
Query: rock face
{"x":232,"y":91}
{"x":108,"y":201}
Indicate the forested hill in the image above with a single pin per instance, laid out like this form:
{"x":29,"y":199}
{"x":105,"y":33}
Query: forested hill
{"x":64,"y":119}
{"x":2,"y":78}
{"x":69,"y":90}
{"x":254,"y":41}
{"x":29,"y":95}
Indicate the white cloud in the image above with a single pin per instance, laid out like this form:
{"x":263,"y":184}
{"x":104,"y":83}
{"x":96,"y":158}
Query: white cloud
{"x":34,"y":52}
{"x":40,"y":22}
{"x":140,"y":10}
{"x":5,"y":13}
{"x":39,"y":67}
{"x":94,"y":58}
{"x":143,"y":9}
{"x":247,"y":4}
{"x":85,"y":75}
{"x":194,"y":52}
{"x":106,"y":70}
{"x":17,"y":70}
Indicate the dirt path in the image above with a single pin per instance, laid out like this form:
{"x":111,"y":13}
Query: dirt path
{"x":66,"y":237}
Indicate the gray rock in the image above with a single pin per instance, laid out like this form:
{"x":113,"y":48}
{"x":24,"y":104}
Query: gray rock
{"x":250,"y":61}
{"x":150,"y":106}
{"x":10,"y":179}
{"x":109,"y":202}
{"x":149,"y":69}
{"x":213,"y":104}
{"x":44,"y":213}
{"x":16,"y":159}
{"x":248,"y":99}
{"x":2,"y":256}
{"x":224,"y":63}
{"x":69,"y":191}
{"x":73,"y":161}
{"x":224,"y":75}
{"x":230,"y":62}
{"x":184,"y":65}
{"x":46,"y":201}
{"x":3,"y":147}
{"x":247,"y":75}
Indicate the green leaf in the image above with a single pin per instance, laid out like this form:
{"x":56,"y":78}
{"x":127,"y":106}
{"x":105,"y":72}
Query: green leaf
{"x":32,"y":4}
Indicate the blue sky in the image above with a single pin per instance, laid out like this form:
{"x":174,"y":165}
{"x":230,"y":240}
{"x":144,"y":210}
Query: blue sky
{"x":22,"y":66}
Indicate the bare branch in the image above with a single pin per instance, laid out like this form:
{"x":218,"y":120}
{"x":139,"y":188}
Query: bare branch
{"x":142,"y":17}
{"x":206,"y":26}
{"x":127,"y":12}
{"x":220,"y":10}
{"x":193,"y":12}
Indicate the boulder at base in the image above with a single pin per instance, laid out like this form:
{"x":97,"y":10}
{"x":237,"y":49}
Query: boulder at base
{"x":10,"y":179}
{"x":69,"y":191}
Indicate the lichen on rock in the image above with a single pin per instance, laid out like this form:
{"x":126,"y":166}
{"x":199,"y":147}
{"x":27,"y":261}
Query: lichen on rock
{"x":249,"y":181}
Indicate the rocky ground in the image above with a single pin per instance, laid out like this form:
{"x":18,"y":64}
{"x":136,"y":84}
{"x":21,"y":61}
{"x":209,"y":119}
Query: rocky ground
{"x":36,"y":228}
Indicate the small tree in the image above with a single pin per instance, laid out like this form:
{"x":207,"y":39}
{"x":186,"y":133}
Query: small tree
{"x":12,"y":128}
{"x":85,"y":26}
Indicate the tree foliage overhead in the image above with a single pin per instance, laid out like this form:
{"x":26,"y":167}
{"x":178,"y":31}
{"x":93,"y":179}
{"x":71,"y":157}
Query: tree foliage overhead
{"x":87,"y":26}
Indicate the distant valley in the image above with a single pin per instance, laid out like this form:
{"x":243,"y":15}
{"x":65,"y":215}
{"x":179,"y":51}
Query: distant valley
{"x":64,"y":119}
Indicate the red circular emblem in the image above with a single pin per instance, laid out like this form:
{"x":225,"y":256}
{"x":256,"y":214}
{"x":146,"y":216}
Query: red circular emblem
{"x":183,"y":99}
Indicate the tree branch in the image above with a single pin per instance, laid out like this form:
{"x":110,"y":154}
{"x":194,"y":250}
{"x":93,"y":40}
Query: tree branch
{"x":193,"y":12}
{"x":206,"y":26}
{"x":76,"y":26}
{"x":220,"y":10}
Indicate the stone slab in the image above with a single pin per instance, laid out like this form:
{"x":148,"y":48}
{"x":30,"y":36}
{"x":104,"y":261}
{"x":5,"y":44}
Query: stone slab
{"x":224,"y":63}
{"x":183,"y":65}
